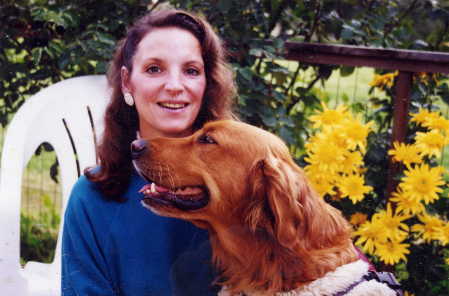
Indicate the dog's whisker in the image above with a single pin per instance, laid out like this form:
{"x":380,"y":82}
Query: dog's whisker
{"x":170,"y":176}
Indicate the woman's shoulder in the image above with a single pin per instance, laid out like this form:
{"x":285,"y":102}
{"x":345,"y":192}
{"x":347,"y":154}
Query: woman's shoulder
{"x":84,"y":197}
{"x":87,"y":203}
{"x":85,"y":191}
{"x":84,"y":187}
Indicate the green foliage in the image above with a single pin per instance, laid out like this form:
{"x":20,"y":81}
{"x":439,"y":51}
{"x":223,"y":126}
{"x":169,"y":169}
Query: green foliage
{"x":46,"y":41}
{"x":38,"y":233}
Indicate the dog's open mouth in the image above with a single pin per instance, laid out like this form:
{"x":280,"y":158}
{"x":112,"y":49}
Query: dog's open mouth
{"x":186,"y":198}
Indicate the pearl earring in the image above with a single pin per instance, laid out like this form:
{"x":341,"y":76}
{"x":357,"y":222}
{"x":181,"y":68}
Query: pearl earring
{"x":129,"y":100}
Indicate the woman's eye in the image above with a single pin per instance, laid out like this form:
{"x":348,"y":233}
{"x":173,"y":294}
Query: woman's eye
{"x":154,"y":69}
{"x":206,"y":139}
{"x":193,"y":72}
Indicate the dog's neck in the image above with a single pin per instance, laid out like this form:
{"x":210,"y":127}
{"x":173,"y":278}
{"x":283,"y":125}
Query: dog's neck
{"x":259,"y":262}
{"x":345,"y":280}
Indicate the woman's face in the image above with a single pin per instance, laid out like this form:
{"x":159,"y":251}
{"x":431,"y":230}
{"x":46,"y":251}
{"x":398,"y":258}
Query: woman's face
{"x":167,"y":82}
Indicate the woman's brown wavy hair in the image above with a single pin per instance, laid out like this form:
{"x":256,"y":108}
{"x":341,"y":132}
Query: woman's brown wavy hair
{"x":121,"y":120}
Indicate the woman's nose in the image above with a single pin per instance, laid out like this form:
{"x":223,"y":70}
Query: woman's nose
{"x":174,"y":83}
{"x":138,"y":148}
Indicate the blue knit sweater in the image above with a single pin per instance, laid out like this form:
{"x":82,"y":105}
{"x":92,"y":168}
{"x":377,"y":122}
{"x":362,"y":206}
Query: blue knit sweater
{"x":111,"y":248}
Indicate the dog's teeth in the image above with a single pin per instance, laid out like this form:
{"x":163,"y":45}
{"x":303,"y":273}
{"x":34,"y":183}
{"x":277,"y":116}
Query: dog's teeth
{"x":153,"y":188}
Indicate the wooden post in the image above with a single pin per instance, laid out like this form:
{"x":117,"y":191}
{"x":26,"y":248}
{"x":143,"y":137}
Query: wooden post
{"x":400,"y":121}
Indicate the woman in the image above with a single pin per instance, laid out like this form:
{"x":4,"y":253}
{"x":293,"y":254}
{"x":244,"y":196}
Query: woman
{"x":168,"y":77}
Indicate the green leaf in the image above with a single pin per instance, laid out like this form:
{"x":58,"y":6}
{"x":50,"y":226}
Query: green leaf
{"x":278,"y":43}
{"x":257,"y":52}
{"x":101,"y":67}
{"x":346,"y":33}
{"x":37,"y":54}
{"x":106,"y":38}
{"x":346,"y":71}
{"x":246,"y":73}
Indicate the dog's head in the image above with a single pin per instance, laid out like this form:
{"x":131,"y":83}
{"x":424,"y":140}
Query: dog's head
{"x":230,"y":173}
{"x":216,"y":170}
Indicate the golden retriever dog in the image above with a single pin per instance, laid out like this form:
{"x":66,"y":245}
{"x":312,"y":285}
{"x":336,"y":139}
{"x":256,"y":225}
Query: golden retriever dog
{"x":270,"y":233}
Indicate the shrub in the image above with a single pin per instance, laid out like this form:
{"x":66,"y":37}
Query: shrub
{"x":407,"y":231}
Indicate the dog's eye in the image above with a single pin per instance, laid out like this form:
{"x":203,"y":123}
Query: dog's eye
{"x":206,"y":139}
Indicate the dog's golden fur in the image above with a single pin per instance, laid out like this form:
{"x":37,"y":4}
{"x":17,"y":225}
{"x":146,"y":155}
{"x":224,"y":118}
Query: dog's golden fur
{"x":269,"y":230}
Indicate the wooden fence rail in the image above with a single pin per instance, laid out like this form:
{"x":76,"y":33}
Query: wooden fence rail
{"x":406,"y":62}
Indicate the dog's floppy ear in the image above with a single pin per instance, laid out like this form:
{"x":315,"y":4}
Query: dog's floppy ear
{"x":285,"y":206}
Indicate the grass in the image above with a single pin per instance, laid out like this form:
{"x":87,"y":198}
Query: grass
{"x":37,"y":182}
{"x":41,"y":205}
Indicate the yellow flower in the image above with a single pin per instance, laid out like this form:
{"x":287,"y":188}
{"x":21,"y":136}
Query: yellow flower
{"x":405,"y":153}
{"x":358,"y":219}
{"x":447,"y":261}
{"x":430,"y":229}
{"x":430,"y":143}
{"x":391,"y":252}
{"x":334,"y":134}
{"x":431,"y":120}
{"x":370,"y":234}
{"x":352,"y":162}
{"x":328,"y":116}
{"x":423,"y":116}
{"x":406,"y":293}
{"x":392,"y":225}
{"x":437,"y":123}
{"x":353,"y":187}
{"x":385,"y":80}
{"x":356,"y":134}
{"x":444,"y":234}
{"x":321,"y":184}
{"x":326,"y":156}
{"x":422,"y":182}
{"x":406,"y":204}
{"x":337,"y":150}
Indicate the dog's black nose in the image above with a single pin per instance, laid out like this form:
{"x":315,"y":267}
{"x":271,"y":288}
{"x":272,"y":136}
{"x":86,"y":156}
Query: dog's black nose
{"x":138,"y":147}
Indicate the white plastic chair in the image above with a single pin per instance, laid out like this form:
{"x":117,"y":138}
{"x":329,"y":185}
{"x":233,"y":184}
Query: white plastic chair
{"x":46,"y":117}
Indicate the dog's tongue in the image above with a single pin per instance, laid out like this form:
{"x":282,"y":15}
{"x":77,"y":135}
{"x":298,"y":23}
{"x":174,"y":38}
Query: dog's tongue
{"x":152,"y":188}
{"x":188,"y":191}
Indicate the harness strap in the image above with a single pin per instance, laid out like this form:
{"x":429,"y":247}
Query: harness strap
{"x":388,"y":279}
{"x":344,"y":292}
{"x":382,"y":277}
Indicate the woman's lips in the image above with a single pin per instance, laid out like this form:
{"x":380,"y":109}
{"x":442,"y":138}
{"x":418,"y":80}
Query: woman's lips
{"x":173,"y":106}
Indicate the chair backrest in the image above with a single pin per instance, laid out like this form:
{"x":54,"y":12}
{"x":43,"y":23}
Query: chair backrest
{"x":69,"y":116}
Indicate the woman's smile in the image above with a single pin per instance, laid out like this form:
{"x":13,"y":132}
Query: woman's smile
{"x":173,"y":106}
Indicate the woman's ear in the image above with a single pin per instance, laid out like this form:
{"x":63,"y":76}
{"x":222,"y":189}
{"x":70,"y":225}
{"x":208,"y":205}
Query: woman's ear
{"x":124,"y":74}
